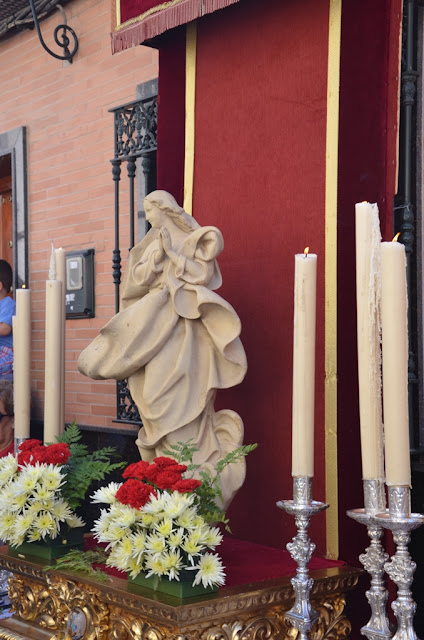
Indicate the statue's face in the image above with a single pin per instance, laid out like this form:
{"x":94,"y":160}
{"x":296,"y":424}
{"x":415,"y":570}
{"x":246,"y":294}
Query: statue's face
{"x":154,"y":215}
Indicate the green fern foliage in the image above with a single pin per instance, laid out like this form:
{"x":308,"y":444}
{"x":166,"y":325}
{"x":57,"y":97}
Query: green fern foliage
{"x":208,"y":497}
{"x":76,"y":560}
{"x":84,"y":467}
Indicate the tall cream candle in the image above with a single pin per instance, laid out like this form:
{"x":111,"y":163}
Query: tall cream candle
{"x":22,"y":363}
{"x":304,"y":365}
{"x":60,"y":263}
{"x":394,"y":320}
{"x":53,"y":355}
{"x":368,"y":295}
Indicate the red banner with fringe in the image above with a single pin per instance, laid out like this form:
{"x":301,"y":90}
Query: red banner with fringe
{"x":141,"y":20}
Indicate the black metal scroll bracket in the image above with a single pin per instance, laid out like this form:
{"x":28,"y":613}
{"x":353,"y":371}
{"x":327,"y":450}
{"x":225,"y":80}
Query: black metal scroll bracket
{"x":65,"y":40}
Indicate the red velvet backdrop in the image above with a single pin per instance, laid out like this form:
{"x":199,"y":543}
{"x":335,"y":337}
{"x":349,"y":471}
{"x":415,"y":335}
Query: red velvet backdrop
{"x":260,"y":177}
{"x":171,"y":113}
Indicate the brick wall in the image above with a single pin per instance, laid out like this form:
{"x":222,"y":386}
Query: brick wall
{"x":71,"y":193}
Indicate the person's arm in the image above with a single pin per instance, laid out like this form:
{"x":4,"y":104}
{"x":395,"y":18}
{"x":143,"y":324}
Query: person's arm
{"x":5,"y":329}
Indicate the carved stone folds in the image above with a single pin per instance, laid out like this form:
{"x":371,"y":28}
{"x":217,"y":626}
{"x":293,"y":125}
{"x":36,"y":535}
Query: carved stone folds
{"x":47,"y":604}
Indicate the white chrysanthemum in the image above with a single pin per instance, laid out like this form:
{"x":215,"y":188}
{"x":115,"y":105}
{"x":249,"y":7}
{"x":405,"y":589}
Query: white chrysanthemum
{"x":212,"y":538}
{"x":134,"y":567}
{"x":42,"y":494}
{"x":101,"y":525}
{"x":116,"y":560}
{"x":186,"y":519}
{"x":24,"y":484}
{"x":34,"y":535}
{"x":164,"y":527}
{"x":8,"y":468}
{"x":176,"y":538}
{"x":173,"y":563}
{"x":123,"y":550}
{"x":106,"y":495}
{"x":210,"y":571}
{"x":139,"y":546}
{"x":46,"y":525}
{"x":61,"y":510}
{"x":125,"y":515}
{"x":175,"y":503}
{"x":7,"y":496}
{"x":116,"y":532}
{"x":33,"y":471}
{"x":23,"y":524}
{"x":36,"y":506}
{"x":7,"y":521}
{"x":156,"y":505}
{"x":192,"y":548}
{"x":19,"y":502}
{"x":148,"y":520}
{"x":74,"y":521}
{"x":155,"y":543}
{"x":155,"y":566}
{"x":52,"y":479}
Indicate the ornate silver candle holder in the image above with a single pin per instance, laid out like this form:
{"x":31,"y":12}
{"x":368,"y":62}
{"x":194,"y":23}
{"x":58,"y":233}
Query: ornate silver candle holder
{"x":401,"y":567}
{"x":374,"y":559}
{"x":18,"y":442}
{"x":302,"y":507}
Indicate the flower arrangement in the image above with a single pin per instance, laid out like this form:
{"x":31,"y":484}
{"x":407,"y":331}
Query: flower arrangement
{"x":159,"y":521}
{"x":38,"y":487}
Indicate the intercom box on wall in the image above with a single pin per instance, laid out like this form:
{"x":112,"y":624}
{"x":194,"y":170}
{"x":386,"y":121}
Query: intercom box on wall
{"x":80,"y":284}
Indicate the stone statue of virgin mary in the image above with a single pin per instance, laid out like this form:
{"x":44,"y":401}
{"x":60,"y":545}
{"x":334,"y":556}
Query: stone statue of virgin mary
{"x":176,"y":341}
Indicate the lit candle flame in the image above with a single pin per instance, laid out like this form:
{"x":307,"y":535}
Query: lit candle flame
{"x":306,"y":251}
{"x":395,"y":239}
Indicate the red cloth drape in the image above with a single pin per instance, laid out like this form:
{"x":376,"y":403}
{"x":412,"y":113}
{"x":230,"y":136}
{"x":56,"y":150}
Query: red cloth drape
{"x":142,"y":20}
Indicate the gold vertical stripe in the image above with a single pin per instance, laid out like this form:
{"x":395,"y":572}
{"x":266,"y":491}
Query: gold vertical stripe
{"x":332,"y":141}
{"x":191,"y":41}
{"x":118,"y":12}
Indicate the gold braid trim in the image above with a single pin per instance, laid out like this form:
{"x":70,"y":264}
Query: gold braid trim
{"x":142,"y":16}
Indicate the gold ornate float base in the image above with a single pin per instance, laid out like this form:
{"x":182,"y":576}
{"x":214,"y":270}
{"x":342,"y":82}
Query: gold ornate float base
{"x":44,"y":603}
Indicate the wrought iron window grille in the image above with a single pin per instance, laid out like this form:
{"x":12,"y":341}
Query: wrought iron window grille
{"x":135,"y":143}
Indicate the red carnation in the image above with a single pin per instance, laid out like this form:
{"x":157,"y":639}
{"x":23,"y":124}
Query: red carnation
{"x":152,"y":472}
{"x":186,"y":486}
{"x":56,"y":453}
{"x":32,"y":456}
{"x":163,"y":461}
{"x":166,"y":479}
{"x":26,"y":445}
{"x":134,"y":493}
{"x":136,"y":470}
{"x":178,"y":468}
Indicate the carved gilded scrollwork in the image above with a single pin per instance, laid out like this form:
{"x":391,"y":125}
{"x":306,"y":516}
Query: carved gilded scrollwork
{"x":31,"y":601}
{"x":68,"y":597}
{"x":254,"y":629}
{"x":126,"y":627}
{"x":60,"y":606}
{"x":332,"y":623}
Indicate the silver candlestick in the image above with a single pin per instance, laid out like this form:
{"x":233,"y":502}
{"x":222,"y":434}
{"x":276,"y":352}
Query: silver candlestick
{"x":374,"y":559}
{"x":302,"y":507}
{"x":18,"y":442}
{"x":401,"y":567}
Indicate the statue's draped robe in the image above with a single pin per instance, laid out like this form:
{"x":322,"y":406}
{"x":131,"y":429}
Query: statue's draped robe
{"x":177,"y":342}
